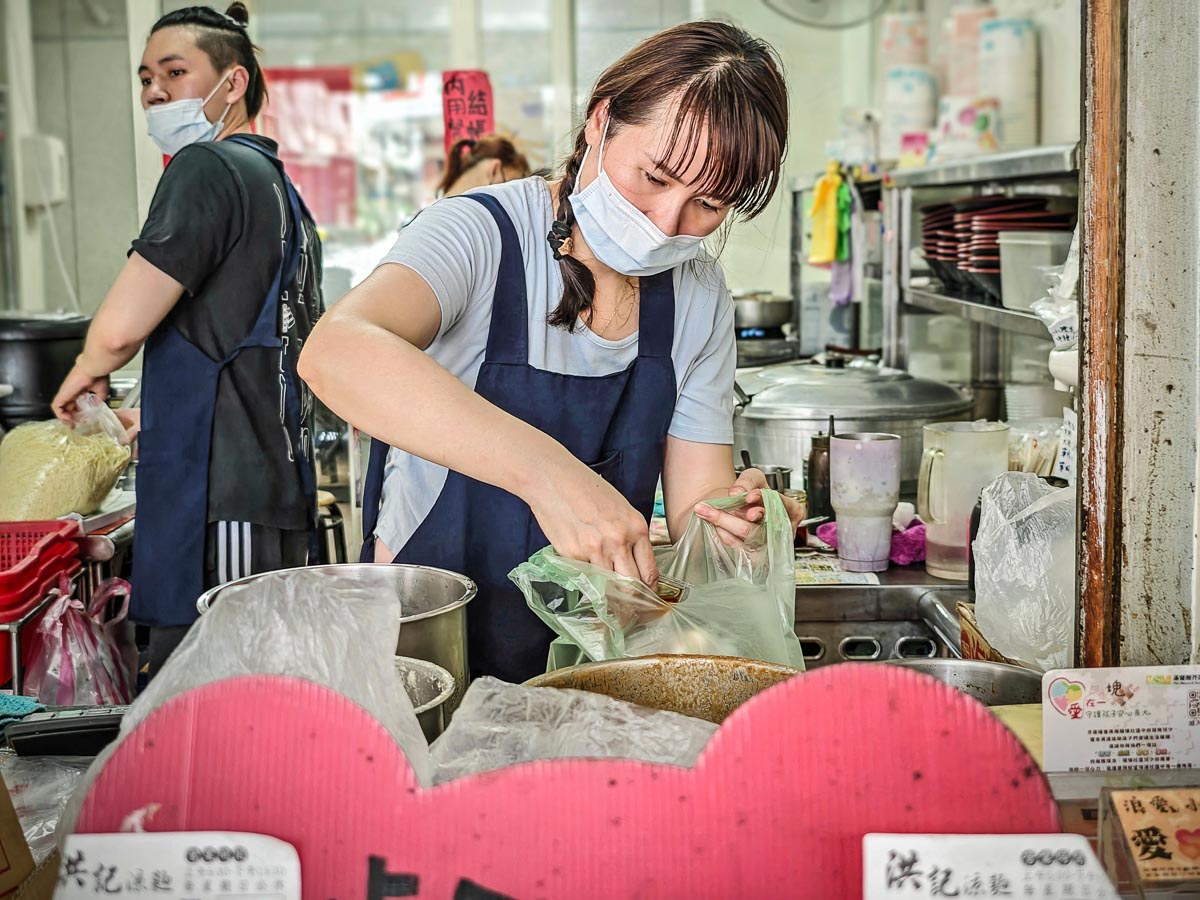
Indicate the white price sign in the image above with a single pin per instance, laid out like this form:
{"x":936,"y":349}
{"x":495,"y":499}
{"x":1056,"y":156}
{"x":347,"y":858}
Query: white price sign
{"x":193,"y":865}
{"x":1061,"y":866}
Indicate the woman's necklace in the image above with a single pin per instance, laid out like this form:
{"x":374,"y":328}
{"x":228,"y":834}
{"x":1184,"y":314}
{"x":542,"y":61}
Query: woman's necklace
{"x":631,"y":295}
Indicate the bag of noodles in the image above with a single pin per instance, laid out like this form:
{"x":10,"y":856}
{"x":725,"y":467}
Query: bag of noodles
{"x":50,"y":469}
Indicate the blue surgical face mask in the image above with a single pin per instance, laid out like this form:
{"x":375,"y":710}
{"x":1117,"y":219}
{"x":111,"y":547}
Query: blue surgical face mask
{"x":173,"y":126}
{"x":621,"y":235}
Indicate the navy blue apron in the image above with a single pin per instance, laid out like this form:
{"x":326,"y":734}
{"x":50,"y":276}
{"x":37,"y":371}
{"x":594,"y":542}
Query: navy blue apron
{"x":617,"y":423}
{"x":179,"y":396}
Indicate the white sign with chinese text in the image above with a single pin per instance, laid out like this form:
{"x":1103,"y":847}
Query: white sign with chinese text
{"x":1061,"y":866}
{"x":1134,"y":717}
{"x":192,"y":865}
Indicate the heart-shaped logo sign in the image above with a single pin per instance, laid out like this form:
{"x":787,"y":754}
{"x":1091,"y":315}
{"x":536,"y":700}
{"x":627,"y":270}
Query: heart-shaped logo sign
{"x":1189,"y":843}
{"x":1062,"y":693}
{"x":780,"y":797}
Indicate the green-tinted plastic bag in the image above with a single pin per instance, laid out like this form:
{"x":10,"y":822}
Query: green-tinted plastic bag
{"x":738,"y":602}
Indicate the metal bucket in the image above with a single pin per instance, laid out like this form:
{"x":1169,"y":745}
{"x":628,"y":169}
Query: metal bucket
{"x":433,"y":604}
{"x":705,"y":687}
{"x":429,"y":687}
{"x":991,"y":683}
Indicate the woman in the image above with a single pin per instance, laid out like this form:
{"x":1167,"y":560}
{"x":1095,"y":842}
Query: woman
{"x":539,"y":354}
{"x":490,"y":160}
{"x":221,"y":288}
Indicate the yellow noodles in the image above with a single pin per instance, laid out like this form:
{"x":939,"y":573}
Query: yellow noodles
{"x":48,"y":470}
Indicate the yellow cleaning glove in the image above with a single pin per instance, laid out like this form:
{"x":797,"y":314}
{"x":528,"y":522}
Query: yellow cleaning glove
{"x":824,"y":214}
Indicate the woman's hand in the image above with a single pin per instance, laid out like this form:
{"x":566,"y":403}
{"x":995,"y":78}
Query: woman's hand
{"x":735,"y":526}
{"x":587,"y":519}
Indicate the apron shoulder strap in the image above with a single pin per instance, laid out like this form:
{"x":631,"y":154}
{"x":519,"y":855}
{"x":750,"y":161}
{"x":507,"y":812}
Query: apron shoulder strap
{"x":656,"y":318}
{"x":508,"y":337}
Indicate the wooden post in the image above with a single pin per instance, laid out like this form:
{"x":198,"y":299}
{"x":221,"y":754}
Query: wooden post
{"x":1103,"y":296}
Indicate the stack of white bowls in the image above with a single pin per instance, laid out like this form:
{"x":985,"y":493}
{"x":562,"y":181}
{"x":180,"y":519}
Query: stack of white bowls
{"x":1008,"y":70}
{"x":962,"y":63}
{"x":909,"y":105}
{"x":903,"y":41}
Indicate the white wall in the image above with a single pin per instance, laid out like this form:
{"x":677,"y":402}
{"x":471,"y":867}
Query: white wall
{"x":756,"y":255}
{"x":82,"y":79}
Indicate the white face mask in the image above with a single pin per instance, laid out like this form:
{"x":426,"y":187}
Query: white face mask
{"x":173,"y":126}
{"x":621,"y":235}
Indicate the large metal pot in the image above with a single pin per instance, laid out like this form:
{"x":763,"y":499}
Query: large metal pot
{"x":433,"y":608}
{"x":991,"y":683}
{"x":430,"y":688}
{"x":784,"y":405}
{"x":37,"y":351}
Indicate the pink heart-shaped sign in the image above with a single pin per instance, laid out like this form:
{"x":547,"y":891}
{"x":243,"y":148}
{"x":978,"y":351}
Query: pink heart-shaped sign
{"x":776,"y":806}
{"x":1062,"y":693}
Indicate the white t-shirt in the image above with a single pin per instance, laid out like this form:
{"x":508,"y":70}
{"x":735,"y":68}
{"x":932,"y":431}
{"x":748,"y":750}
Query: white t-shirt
{"x":454,"y":245}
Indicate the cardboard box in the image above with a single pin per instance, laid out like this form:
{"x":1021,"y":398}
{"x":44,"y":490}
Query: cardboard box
{"x":18,"y":877}
{"x":973,"y":644}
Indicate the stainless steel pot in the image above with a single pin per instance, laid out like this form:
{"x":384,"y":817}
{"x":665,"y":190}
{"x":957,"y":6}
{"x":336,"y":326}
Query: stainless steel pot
{"x":782,"y":407}
{"x":433,"y":609}
{"x":762,"y":311}
{"x":991,"y":683}
{"x":429,"y":687}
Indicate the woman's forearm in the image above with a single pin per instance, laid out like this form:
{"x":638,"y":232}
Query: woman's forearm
{"x":414,"y":404}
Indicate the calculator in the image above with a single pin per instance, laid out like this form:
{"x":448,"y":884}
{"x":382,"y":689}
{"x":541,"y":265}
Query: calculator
{"x":65,"y":731}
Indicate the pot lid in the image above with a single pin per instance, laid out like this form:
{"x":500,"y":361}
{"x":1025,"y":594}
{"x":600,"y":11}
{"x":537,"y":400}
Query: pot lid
{"x":41,"y":326}
{"x":805,"y":391}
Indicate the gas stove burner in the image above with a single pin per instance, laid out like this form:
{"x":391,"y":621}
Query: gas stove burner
{"x":760,"y":334}
{"x":761,"y":351}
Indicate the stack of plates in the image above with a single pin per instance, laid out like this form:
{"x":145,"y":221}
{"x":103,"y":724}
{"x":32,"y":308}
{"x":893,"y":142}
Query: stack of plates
{"x":961,"y":241}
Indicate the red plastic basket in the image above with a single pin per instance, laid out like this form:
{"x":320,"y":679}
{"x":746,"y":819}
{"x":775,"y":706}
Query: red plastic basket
{"x":22,"y":548}
{"x":47,"y":578}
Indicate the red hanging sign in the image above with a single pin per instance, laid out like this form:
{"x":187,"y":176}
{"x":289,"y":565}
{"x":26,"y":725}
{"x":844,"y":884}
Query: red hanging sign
{"x":467,"y":108}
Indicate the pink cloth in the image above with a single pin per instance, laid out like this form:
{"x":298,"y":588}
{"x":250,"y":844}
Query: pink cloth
{"x":908,"y":546}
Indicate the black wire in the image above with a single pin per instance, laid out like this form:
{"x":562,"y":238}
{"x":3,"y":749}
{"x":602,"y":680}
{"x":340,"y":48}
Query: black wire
{"x":792,"y":17}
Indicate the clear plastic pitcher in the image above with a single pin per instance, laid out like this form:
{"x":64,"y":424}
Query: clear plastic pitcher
{"x":960,"y":460}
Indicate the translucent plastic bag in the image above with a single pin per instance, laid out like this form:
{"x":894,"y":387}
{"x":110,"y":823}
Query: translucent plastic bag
{"x":40,"y":787}
{"x":736,"y":602}
{"x":75,"y":657}
{"x":1025,"y":570}
{"x":48,"y":469}
{"x":500,"y":724}
{"x":338,"y":632}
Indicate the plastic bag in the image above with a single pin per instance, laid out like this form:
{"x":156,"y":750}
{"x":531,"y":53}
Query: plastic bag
{"x":1025,"y":570}
{"x":74,"y":657}
{"x":48,"y":469}
{"x":737,"y":602}
{"x":1059,"y":309}
{"x":501,"y":724}
{"x":40,"y":787}
{"x":339,"y":632}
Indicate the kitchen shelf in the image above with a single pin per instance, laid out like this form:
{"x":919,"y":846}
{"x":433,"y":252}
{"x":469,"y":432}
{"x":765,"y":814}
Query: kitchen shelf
{"x":1055,"y":160}
{"x":996,"y":316}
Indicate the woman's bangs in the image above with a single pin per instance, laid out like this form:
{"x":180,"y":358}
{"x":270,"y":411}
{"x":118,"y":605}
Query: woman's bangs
{"x":742,"y":156}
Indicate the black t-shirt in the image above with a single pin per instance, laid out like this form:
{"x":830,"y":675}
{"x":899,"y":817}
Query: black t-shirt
{"x":217,"y":226}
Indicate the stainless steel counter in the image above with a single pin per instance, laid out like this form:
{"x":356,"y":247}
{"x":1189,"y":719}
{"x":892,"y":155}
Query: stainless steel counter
{"x":909,"y":614}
